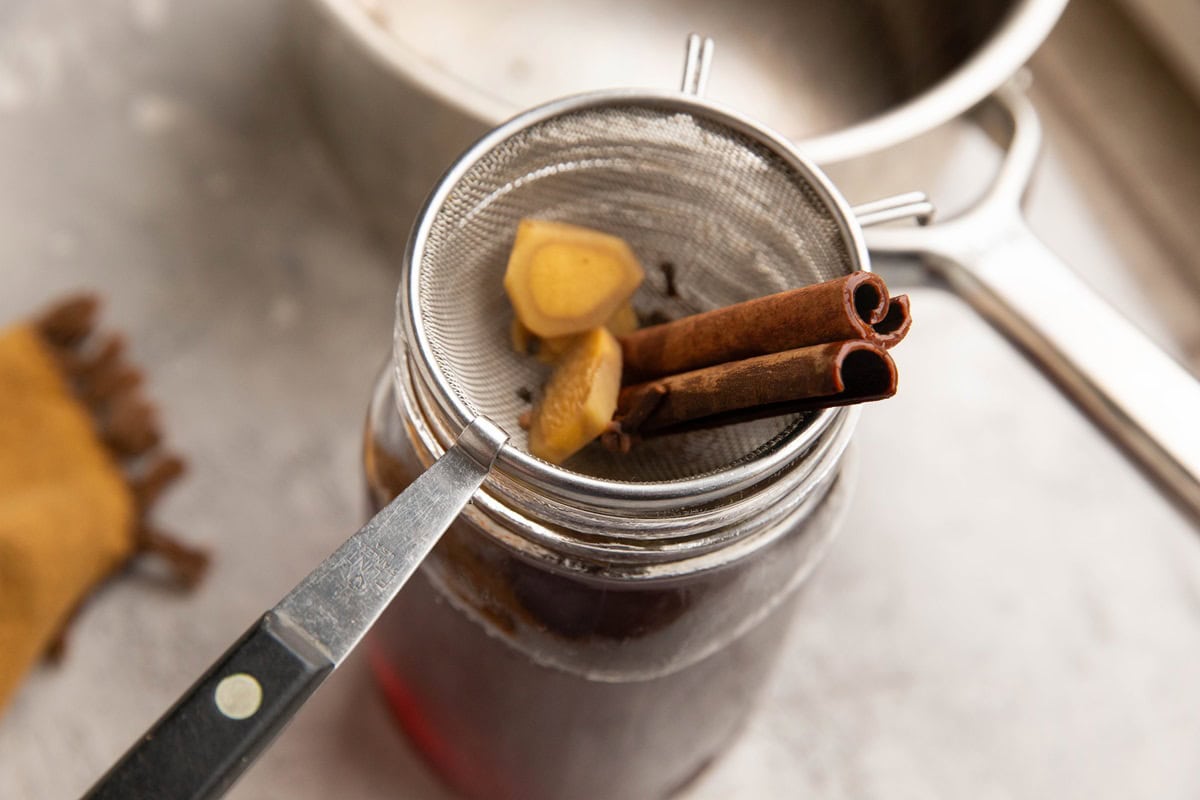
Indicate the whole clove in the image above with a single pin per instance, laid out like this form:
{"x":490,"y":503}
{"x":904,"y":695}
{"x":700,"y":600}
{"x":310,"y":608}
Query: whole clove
{"x":670,"y":289}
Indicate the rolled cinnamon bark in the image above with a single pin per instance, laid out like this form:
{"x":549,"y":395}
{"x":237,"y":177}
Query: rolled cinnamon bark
{"x":832,"y":374}
{"x":895,"y":323}
{"x":856,"y":306}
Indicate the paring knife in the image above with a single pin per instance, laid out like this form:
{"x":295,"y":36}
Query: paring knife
{"x":229,"y":716}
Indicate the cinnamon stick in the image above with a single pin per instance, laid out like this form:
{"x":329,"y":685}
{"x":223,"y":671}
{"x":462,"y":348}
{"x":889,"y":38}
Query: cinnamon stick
{"x":831,"y":374}
{"x":856,"y":306}
{"x":895,"y":323}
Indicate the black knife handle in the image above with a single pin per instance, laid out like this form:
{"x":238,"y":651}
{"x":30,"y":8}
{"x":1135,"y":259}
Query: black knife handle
{"x":200,"y":747}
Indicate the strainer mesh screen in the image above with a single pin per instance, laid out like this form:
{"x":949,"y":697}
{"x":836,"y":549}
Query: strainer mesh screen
{"x":733,"y":219}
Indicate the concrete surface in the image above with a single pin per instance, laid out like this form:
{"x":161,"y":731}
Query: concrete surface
{"x":1014,"y":613}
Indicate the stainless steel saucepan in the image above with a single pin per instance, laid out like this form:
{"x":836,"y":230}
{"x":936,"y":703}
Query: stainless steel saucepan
{"x":400,"y":88}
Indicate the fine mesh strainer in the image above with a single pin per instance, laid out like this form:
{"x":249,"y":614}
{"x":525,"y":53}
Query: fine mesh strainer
{"x":734,"y":208}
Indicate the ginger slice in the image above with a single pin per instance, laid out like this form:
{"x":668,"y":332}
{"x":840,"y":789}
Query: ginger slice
{"x":622,"y":322}
{"x":579,"y":399}
{"x":520,"y":337}
{"x":551,"y":350}
{"x":565,"y":279}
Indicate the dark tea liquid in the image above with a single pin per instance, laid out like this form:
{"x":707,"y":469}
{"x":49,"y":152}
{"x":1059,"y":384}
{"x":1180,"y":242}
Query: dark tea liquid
{"x":520,"y":677}
{"x":496,"y":724}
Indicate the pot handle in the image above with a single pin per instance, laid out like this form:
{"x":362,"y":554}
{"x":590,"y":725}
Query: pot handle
{"x":1140,"y":396}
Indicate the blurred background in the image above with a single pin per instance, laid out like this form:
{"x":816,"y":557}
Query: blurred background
{"x":1015,"y":613}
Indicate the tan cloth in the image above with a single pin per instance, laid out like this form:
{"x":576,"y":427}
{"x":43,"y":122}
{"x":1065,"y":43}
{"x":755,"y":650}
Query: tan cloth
{"x":67,"y":516}
{"x":80,"y":466}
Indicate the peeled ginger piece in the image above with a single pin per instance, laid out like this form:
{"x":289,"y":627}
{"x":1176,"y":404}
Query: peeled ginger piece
{"x":564,"y":279}
{"x":580,"y":398}
{"x":623,"y":321}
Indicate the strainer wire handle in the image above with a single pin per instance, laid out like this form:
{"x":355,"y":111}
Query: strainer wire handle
{"x":230,"y":715}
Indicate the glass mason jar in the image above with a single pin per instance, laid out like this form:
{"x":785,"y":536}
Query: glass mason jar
{"x":560,"y":647}
{"x":600,"y":630}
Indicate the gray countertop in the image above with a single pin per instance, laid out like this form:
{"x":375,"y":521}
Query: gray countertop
{"x":1011,"y":611}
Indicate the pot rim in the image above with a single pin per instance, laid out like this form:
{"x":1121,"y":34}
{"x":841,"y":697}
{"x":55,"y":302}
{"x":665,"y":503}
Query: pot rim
{"x":1019,"y":35}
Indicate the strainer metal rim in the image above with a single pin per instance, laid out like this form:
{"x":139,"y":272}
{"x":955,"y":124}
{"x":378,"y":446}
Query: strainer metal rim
{"x":565,"y":483}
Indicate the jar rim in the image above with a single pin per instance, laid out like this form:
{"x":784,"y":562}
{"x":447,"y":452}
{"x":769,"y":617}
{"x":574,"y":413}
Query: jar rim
{"x":623,"y":539}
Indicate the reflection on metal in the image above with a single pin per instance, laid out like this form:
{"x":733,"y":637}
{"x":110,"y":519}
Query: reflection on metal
{"x":910,"y":205}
